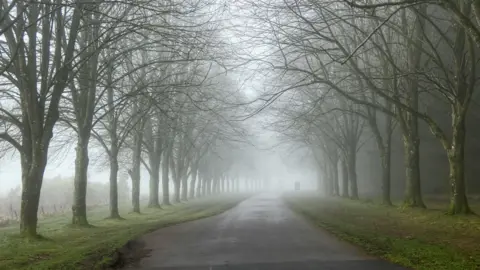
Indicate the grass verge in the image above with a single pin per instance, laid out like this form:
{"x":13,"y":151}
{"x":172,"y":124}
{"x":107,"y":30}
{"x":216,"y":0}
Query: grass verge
{"x":91,"y":248}
{"x":415,"y":238}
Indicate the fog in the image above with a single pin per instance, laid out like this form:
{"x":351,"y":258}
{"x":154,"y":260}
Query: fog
{"x":148,"y":104}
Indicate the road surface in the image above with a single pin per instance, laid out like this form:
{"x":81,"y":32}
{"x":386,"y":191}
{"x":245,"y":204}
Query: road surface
{"x":261,"y":233}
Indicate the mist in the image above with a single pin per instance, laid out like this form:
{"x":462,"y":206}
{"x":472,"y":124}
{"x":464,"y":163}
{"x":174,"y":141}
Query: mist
{"x":235,"y":124}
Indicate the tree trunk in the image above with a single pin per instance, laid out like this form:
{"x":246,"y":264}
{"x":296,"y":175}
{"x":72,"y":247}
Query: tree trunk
{"x":413,"y":192}
{"x":32,"y":178}
{"x":176,"y":191}
{"x":79,"y":207}
{"x":214,"y":184}
{"x":384,"y":147}
{"x":204,"y":186}
{"x":209,"y":186}
{"x":220,"y":184}
{"x":199,"y":186}
{"x":336,"y":187}
{"x":463,"y":91}
{"x":327,"y":183}
{"x":386,"y":165}
{"x":352,"y":171}
{"x":135,"y":172}
{"x":185,"y":187}
{"x":153,"y":201}
{"x":344,"y":178}
{"x":456,"y":159}
{"x":165,"y":178}
{"x":135,"y":191}
{"x":193,"y":182}
{"x":114,"y":187}
{"x":224,"y":187}
{"x":214,"y":187}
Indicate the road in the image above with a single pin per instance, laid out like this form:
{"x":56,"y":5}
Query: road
{"x":261,"y":233}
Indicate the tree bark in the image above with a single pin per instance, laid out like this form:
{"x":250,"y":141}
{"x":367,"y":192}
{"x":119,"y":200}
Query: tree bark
{"x":32,"y":178}
{"x":384,"y":148}
{"x":79,"y":207}
{"x":386,"y":165}
{"x":165,"y":178}
{"x":153,"y":200}
{"x":114,"y":187}
{"x":193,"y":182}
{"x":176,"y":189}
{"x":413,"y":192}
{"x":210,"y":186}
{"x":336,"y":186}
{"x":456,"y":159}
{"x":114,"y":145}
{"x":220,"y":184}
{"x":184,"y":187}
{"x":213,"y":185}
{"x":352,"y":171}
{"x":327,"y":183}
{"x":199,"y":185}
{"x":204,"y":186}
{"x":463,"y":92}
{"x":345,"y":178}
{"x":135,"y":172}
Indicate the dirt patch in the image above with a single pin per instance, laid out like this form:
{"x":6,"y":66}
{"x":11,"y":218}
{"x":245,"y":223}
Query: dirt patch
{"x":131,"y":252}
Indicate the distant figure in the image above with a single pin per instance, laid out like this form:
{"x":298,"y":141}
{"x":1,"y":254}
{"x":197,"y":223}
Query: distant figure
{"x":297,"y":186}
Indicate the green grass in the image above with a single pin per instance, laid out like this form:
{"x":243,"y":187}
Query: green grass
{"x":415,"y":238}
{"x":65,"y":247}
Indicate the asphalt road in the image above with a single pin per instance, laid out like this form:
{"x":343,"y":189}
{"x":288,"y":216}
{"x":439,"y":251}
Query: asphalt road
{"x":261,"y":233}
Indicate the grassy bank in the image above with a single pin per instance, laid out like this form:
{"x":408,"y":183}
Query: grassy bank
{"x":416,"y":238}
{"x":91,"y":248}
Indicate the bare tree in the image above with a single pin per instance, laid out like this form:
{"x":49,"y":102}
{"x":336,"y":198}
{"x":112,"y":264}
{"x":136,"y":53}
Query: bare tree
{"x":41,"y":57}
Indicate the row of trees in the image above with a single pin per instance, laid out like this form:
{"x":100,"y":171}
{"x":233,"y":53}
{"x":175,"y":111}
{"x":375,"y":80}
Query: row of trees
{"x":376,"y":64}
{"x":137,"y":79}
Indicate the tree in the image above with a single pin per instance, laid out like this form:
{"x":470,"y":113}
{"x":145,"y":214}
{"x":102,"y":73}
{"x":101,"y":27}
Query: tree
{"x":38,"y":76}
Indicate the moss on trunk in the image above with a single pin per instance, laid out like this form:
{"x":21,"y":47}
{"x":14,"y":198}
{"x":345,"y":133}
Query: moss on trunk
{"x":79,"y":207}
{"x":413,"y":191}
